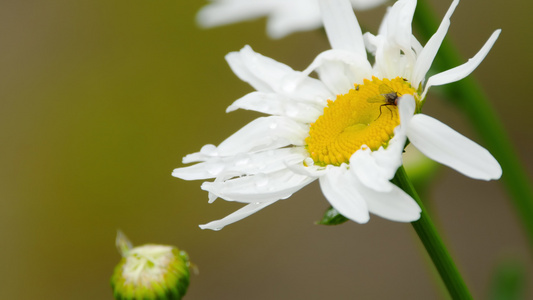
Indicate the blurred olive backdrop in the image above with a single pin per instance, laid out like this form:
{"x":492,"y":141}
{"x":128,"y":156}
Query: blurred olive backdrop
{"x":100,"y":100}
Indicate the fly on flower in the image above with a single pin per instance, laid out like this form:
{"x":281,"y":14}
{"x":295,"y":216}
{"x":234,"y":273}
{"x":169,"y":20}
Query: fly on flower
{"x":330,"y":128}
{"x":387,"y":96}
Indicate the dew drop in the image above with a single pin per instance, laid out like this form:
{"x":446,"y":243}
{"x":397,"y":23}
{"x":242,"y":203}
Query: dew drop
{"x":261,"y":180}
{"x":241,"y":159}
{"x":214,"y":168}
{"x":309,"y":162}
{"x":208,"y":149}
{"x":291,"y":111}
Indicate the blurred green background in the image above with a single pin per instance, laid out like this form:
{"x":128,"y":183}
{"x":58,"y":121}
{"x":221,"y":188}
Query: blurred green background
{"x":101,"y":100}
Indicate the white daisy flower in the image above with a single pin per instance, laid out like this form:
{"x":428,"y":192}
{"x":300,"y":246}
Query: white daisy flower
{"x":347,"y":129}
{"x":284,"y":16}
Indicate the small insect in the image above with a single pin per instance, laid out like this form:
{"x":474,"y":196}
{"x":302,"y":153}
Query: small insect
{"x":387,"y":95}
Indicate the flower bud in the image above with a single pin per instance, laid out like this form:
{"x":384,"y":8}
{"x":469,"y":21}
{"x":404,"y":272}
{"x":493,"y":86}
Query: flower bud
{"x":150,"y":272}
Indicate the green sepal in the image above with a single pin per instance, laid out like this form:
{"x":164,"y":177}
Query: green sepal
{"x":332,"y":217}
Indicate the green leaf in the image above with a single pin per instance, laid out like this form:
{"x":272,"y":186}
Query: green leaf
{"x":332,"y":217}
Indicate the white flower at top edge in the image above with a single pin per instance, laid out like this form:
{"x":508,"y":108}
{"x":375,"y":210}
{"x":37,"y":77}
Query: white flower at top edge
{"x":284,"y":16}
{"x":348,"y":128}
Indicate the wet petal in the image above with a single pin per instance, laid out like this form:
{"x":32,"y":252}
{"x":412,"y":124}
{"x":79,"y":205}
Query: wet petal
{"x":338,"y":187}
{"x":259,"y":187}
{"x":243,"y":164}
{"x":261,"y":72}
{"x":264,"y":134}
{"x":236,"y":216}
{"x":448,"y":147}
{"x":300,"y":87}
{"x":275,"y":104}
{"x":339,"y":70}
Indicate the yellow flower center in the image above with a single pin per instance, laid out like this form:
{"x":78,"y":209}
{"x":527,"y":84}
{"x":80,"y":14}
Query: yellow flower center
{"x":366,"y":115}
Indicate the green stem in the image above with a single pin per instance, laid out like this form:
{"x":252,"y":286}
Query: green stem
{"x":432,"y":242}
{"x":469,"y":97}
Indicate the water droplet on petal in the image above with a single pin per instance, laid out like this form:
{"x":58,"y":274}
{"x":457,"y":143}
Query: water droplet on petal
{"x":241,"y":159}
{"x":214,"y":168}
{"x":208,"y":149}
{"x":260,"y":180}
{"x":291,"y":111}
{"x":309,"y":162}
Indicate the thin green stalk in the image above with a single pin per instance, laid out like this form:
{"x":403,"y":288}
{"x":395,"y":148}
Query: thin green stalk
{"x":469,"y":97}
{"x":432,"y":242}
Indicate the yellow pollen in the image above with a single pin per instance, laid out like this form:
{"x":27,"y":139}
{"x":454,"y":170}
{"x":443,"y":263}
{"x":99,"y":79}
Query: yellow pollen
{"x":366,"y":115}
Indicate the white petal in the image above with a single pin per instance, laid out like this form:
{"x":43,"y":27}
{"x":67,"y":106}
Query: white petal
{"x":243,"y":164}
{"x":207,"y":152}
{"x":375,"y":168}
{"x":415,"y":44}
{"x":226,"y":12}
{"x":384,"y":22}
{"x":259,"y":187}
{"x":395,"y":205}
{"x":292,"y":16}
{"x":463,"y":70}
{"x":338,"y":187}
{"x":236,"y":216}
{"x":407,"y":106}
{"x":390,"y":62}
{"x":261,"y":72}
{"x":275,"y":104}
{"x":333,"y":74}
{"x":300,"y":87}
{"x":268,"y":75}
{"x":399,"y":21}
{"x":308,"y":168}
{"x":448,"y":147}
{"x":426,"y":57}
{"x":366,"y":4}
{"x":342,"y":27}
{"x":398,"y":34}
{"x":372,"y":42}
{"x":263,"y":134}
{"x":340,"y":70}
